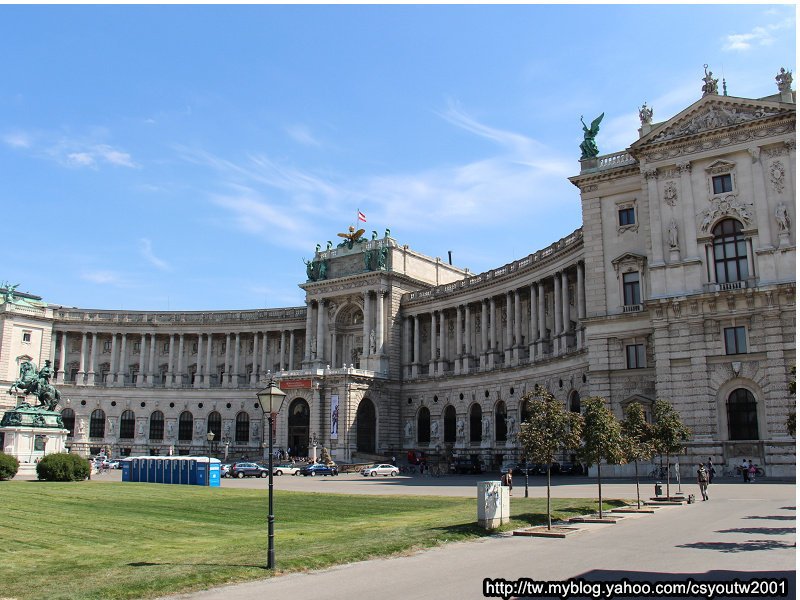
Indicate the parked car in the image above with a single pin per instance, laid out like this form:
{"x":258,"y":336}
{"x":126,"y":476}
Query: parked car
{"x":113,"y":464}
{"x":225,"y":470}
{"x":385,"y":470}
{"x":318,"y":469}
{"x":246,"y":469}
{"x":466,"y":465}
{"x":285,"y":469}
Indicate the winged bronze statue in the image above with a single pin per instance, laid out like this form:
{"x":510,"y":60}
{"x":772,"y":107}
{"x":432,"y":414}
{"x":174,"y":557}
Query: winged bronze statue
{"x":588,"y":146}
{"x":352,"y":235}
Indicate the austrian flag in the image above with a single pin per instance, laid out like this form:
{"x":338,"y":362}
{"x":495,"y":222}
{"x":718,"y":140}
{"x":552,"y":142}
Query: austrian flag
{"x":362,"y":217}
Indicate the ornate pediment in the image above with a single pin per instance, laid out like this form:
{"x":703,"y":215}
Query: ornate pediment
{"x":709,"y":114}
{"x":627,"y":262}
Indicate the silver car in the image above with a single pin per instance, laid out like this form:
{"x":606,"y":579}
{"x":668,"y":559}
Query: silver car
{"x":385,"y":470}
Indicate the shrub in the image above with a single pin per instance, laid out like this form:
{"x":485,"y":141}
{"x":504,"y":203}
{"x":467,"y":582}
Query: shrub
{"x":63,"y":467}
{"x":8,"y":466}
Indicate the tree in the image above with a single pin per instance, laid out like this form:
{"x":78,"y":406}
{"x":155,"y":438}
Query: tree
{"x":669,"y":433}
{"x":549,"y":428}
{"x":636,"y":440}
{"x":602,"y":440}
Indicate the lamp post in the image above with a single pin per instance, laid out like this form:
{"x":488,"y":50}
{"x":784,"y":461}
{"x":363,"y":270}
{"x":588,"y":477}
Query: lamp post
{"x":210,"y":438}
{"x":270,"y":398}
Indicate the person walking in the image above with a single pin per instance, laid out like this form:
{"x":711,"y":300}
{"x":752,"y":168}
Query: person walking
{"x":751,"y":471}
{"x":702,"y":481}
{"x":711,"y":471}
{"x":745,"y":471}
{"x":507,"y":481}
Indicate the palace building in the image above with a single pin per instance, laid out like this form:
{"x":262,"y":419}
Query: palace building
{"x":679,"y":284}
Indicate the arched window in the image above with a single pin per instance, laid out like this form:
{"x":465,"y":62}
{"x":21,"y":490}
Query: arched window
{"x":742,"y":416}
{"x":575,"y":402}
{"x":157,"y":425}
{"x":68,"y":418}
{"x":450,"y":424}
{"x":242,"y":428}
{"x":97,"y":424}
{"x":475,"y":434}
{"x":215,"y":425}
{"x":185,"y":422}
{"x":500,"y":428}
{"x":524,"y":411}
{"x":730,"y":251}
{"x":424,"y":425}
{"x":127,"y":423}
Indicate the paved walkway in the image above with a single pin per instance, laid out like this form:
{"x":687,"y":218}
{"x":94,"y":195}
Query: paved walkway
{"x":744,"y":531}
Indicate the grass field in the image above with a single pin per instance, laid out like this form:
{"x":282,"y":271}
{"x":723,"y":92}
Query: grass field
{"x":113,"y":540}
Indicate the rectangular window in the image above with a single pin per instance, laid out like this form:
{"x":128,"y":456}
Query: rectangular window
{"x":722,"y":183}
{"x":107,"y":346}
{"x":137,"y":346}
{"x":626,"y":216}
{"x":635,"y":356}
{"x":735,"y":340}
{"x":630,"y":288}
{"x":166,"y":347}
{"x":26,"y":336}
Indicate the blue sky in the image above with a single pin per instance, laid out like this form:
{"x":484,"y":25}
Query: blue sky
{"x":189,"y":157}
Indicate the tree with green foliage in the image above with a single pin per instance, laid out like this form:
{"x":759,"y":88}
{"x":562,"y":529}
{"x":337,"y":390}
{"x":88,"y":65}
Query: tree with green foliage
{"x":602,"y":440}
{"x":63,"y":467}
{"x":669,"y":432}
{"x":549,"y":428}
{"x":9,"y":466}
{"x":636,"y":440}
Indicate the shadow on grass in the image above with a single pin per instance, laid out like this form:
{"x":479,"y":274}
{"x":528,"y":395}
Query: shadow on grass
{"x":172,"y":564}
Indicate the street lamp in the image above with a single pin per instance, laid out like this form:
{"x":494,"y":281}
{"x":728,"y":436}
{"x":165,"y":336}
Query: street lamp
{"x":271,"y":400}
{"x":210,"y":438}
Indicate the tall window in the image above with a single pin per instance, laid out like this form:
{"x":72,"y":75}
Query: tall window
{"x":424,"y":425}
{"x":157,"y":425}
{"x":575,"y":402}
{"x":730,"y":251}
{"x":630,"y":288}
{"x":97,"y":424}
{"x":627,"y":216}
{"x":68,"y":418}
{"x":185,"y":422}
{"x":635,"y":356}
{"x":127,"y":423}
{"x":215,"y":425}
{"x":500,"y":427}
{"x":722,"y":183}
{"x":735,"y":340}
{"x":242,"y":428}
{"x":450,"y":424}
{"x":475,"y":434}
{"x":742,"y":416}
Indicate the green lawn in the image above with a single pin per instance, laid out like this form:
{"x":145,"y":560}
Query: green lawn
{"x":128,"y":540}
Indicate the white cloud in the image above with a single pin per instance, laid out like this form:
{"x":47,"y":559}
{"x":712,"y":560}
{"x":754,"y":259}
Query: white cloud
{"x":71,"y":152}
{"x":102,"y":277}
{"x":760,"y":35}
{"x":18,"y":139}
{"x":303,"y":135}
{"x":80,"y":159}
{"x":114,"y":156}
{"x":146,"y":250}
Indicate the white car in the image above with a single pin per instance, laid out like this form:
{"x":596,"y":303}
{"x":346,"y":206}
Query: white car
{"x":385,"y":470}
{"x":286,"y":469}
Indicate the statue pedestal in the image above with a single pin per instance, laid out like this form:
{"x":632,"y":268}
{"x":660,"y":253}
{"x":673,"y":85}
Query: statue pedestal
{"x":29,"y":444}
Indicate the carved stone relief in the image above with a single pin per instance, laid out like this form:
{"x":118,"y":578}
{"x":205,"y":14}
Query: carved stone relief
{"x":776,"y":175}
{"x":670,"y":193}
{"x":728,"y":206}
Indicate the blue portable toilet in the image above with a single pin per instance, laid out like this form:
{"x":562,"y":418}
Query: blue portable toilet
{"x":134,"y":469}
{"x":214,"y":469}
{"x":167,"y":470}
{"x":151,"y":469}
{"x":192,"y":471}
{"x":159,"y":470}
{"x":200,"y":467}
{"x":175,"y":465}
{"x":184,"y":467}
{"x":126,"y":469}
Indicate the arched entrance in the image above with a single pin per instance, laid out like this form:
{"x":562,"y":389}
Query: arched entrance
{"x":299,"y":420}
{"x":365,"y":427}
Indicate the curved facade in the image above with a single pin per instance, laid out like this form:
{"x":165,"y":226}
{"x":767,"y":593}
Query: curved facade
{"x":679,"y":285}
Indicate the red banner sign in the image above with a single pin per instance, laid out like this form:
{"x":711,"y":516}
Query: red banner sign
{"x":295,"y":384}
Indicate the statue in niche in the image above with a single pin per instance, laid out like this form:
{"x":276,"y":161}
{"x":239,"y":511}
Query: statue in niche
{"x":782,"y":217}
{"x":487,"y":426}
{"x":170,"y":428}
{"x":111,"y":427}
{"x":460,"y":429}
{"x":511,"y":426}
{"x":672,"y":234}
{"x":645,"y":114}
{"x":372,"y":342}
{"x":409,"y":429}
{"x":435,"y":430}
{"x":588,"y":145}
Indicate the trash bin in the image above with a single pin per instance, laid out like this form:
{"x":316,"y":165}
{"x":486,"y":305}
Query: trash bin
{"x":658,"y":488}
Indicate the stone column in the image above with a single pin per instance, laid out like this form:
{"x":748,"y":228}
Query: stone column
{"x":291,"y":350}
{"x":380,"y":301}
{"x":557,"y":316}
{"x":209,"y":348}
{"x":533,"y":333}
{"x":171,"y":361}
{"x":442,"y":342}
{"x":254,"y":374}
{"x":282,"y":351}
{"x":62,"y":361}
{"x":140,"y":378}
{"x":492,"y":325}
{"x":509,"y":341}
{"x":113,"y":367}
{"x":180,"y":369}
{"x":565,"y":301}
{"x":264,"y":361}
{"x":469,"y":334}
{"x":92,"y":361}
{"x":542,"y":298}
{"x":484,"y":332}
{"x":307,"y":351}
{"x":151,"y":364}
{"x":228,"y":366}
{"x":82,"y":364}
{"x":432,"y":363}
{"x":415,"y":358}
{"x":457,"y":359}
{"x":763,"y":220}
{"x":237,"y":349}
{"x":198,"y":375}
{"x":320,"y":332}
{"x":517,"y":326}
{"x":687,"y":199}
{"x":581,"y":304}
{"x":651,"y":175}
{"x":367,"y":322}
{"x":123,"y":360}
{"x":408,"y":357}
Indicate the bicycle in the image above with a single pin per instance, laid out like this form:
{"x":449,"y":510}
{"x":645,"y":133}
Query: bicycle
{"x":658,"y":473}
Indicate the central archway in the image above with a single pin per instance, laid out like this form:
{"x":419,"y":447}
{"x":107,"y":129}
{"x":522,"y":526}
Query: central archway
{"x":365,"y":427}
{"x":299,"y":421}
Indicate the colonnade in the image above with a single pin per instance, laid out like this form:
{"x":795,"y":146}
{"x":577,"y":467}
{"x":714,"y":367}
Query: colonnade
{"x":138,"y":358}
{"x":496,"y":330}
